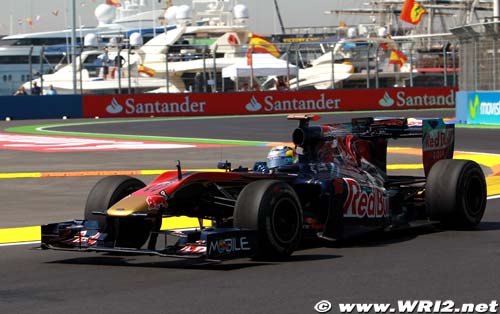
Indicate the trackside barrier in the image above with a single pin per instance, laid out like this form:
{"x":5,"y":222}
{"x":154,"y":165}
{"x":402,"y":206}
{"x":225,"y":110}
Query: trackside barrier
{"x":478,"y":107}
{"x":209,"y":104}
{"x":40,"y":107}
{"x":244,"y":103}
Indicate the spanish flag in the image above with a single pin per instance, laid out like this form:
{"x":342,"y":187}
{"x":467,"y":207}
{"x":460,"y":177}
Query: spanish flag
{"x":384,"y":46}
{"x":388,"y":44}
{"x":259,"y":44}
{"x":116,"y":3}
{"x":146,"y":71}
{"x":397,"y":57}
{"x":412,"y":12}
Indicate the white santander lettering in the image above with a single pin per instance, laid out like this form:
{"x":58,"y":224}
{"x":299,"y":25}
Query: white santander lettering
{"x":425,"y":100}
{"x":321,"y":103}
{"x":157,"y":107}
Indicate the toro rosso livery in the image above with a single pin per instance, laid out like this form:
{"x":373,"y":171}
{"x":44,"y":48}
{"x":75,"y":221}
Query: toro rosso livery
{"x":339,"y":187}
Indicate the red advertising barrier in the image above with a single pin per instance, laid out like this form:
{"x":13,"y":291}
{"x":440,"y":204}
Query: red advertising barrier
{"x":168,"y":105}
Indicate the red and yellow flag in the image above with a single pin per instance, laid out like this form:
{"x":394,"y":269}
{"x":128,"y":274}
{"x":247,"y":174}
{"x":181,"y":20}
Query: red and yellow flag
{"x":397,"y":57}
{"x":146,"y":71}
{"x":29,"y":20}
{"x":116,"y":3}
{"x":412,"y":12}
{"x":384,"y":46}
{"x":259,"y":44}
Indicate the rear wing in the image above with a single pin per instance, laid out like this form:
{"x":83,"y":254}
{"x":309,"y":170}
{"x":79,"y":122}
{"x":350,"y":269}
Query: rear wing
{"x":438,"y":136}
{"x":387,"y":127}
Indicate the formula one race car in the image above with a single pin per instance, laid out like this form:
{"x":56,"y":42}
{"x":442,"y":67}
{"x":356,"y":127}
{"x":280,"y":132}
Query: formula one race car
{"x":338,"y":188}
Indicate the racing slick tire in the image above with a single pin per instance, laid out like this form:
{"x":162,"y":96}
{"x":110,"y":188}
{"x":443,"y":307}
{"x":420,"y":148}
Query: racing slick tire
{"x":455,"y":193}
{"x":273,"y":209}
{"x":105,"y":193}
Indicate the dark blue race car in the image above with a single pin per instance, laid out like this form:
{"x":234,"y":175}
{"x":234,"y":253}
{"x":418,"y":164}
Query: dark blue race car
{"x":338,"y":188}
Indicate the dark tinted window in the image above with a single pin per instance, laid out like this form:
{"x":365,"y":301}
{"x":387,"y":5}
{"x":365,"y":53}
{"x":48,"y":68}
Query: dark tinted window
{"x":17,"y":59}
{"x":7,"y":42}
{"x":43,"y":41}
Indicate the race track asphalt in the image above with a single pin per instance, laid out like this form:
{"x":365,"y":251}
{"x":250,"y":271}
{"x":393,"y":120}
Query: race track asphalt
{"x":425,"y":263}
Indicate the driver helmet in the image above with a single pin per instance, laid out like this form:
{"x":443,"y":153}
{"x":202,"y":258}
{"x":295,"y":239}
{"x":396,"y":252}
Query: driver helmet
{"x":281,"y":156}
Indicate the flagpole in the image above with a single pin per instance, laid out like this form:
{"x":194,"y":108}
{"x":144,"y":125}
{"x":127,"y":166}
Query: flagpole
{"x":73,"y":42}
{"x":251,"y":68}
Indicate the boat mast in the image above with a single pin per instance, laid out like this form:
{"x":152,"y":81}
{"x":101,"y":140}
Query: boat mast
{"x":279,"y":16}
{"x":496,"y":10}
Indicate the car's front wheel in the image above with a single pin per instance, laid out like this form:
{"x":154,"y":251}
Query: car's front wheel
{"x":273,"y":209}
{"x":126,"y":231}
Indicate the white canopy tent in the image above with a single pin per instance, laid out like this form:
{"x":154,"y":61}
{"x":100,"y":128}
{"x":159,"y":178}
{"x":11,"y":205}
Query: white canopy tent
{"x":263,"y":64}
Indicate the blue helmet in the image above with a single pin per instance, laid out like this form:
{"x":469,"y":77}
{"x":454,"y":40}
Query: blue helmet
{"x":281,"y":156}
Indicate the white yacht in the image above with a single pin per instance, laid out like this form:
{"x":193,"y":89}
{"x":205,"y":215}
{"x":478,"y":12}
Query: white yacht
{"x":90,"y":78}
{"x":367,"y":63}
{"x":204,"y":41}
{"x":441,"y":14}
{"x":199,"y":41}
{"x":355,"y":61}
{"x":26,"y":56}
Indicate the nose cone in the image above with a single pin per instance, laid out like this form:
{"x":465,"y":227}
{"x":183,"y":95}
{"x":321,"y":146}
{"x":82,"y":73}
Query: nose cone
{"x":129,"y":205}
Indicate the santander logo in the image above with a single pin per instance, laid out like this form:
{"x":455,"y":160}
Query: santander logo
{"x":114,"y":107}
{"x":253,"y":105}
{"x":133,"y":106}
{"x":386,"y":101}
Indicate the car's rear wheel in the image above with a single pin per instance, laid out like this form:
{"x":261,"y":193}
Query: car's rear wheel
{"x":455,"y":193}
{"x":107,"y":192}
{"x":273,"y":209}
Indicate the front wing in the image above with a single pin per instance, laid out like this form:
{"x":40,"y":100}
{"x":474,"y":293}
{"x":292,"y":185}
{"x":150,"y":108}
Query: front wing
{"x":209,"y":244}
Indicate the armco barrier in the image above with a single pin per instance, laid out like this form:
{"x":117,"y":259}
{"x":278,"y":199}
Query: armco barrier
{"x":162,"y":105}
{"x":209,"y":104}
{"x":478,"y":107}
{"x":40,"y":107}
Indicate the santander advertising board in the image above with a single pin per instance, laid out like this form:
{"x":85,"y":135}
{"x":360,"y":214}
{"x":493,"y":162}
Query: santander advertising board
{"x":244,"y":103}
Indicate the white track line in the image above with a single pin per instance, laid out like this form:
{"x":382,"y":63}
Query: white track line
{"x":20,"y":243}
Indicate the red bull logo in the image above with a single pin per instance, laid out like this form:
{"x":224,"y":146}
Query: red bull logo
{"x":438,"y":139}
{"x":156,"y":202}
{"x":365,"y":203}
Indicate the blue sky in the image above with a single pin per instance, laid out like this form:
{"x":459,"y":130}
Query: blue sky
{"x":262,"y":15}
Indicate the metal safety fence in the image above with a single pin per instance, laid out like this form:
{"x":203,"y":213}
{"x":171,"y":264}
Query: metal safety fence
{"x":479,"y":56}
